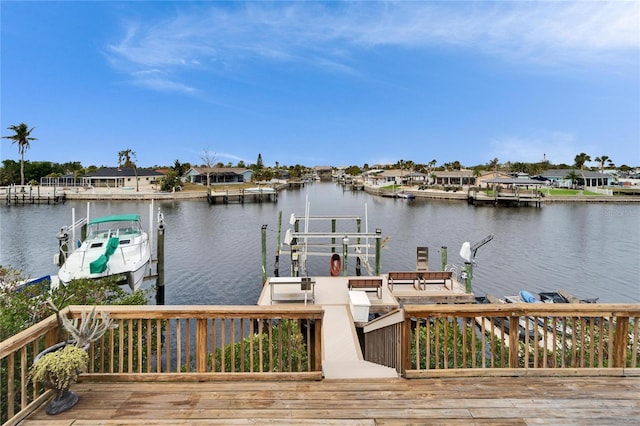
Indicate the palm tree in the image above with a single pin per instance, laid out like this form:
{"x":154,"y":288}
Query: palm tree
{"x":493,"y":165}
{"x":602,"y":159}
{"x":124,"y":160}
{"x":22,"y":138}
{"x":580,"y":160}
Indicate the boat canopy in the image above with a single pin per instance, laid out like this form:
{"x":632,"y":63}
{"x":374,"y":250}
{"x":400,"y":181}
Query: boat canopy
{"x":116,"y":218}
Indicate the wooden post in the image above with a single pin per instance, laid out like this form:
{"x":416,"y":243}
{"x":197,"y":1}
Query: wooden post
{"x":467,"y":275}
{"x":333,"y":231}
{"x":620,"y":342}
{"x":276,"y":269}
{"x":513,"y":340}
{"x":294,"y":250}
{"x":264,"y":254}
{"x":405,"y":361}
{"x":378,"y":250}
{"x":201,"y":345}
{"x":318,"y":345}
{"x":160,"y":263}
{"x":345,"y":253}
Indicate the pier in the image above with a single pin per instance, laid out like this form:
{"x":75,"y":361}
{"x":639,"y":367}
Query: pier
{"x":28,"y":194}
{"x":512,"y":197}
{"x":242,"y":195}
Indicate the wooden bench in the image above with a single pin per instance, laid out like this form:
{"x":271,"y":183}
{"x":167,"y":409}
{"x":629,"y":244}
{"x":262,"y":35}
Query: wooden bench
{"x":436,"y":277}
{"x":419,"y":279}
{"x":408,"y":277}
{"x":367,"y":284}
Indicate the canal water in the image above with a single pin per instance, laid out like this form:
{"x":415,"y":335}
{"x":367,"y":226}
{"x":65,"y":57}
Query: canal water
{"x":213,"y":252}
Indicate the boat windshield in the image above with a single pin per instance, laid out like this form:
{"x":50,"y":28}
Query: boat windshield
{"x":113,"y":229}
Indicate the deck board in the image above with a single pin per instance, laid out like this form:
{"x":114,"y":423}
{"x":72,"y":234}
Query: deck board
{"x":481,"y":400}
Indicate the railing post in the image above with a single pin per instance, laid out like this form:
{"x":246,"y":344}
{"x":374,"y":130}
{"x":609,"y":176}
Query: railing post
{"x":318,"y":345}
{"x":201,"y":345}
{"x":514,"y":347}
{"x":405,"y":359}
{"x":620,"y":342}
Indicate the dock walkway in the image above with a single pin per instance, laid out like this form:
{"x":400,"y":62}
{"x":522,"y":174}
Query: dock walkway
{"x":342,"y":355}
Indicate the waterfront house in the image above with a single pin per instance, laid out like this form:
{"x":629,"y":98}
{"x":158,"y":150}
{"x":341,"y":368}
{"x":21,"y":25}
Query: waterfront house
{"x":481,"y":181}
{"x":455,"y":177}
{"x":218,"y":175}
{"x":122,"y":177}
{"x":559,"y":177}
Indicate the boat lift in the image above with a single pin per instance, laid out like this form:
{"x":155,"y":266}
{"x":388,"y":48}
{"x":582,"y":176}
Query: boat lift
{"x":468,"y":253}
{"x":303,"y":244}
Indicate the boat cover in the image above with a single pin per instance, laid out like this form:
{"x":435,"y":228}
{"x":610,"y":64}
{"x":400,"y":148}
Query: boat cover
{"x":100,"y":264}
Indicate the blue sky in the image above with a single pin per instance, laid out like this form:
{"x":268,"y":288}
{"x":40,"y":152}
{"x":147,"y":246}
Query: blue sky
{"x":322,"y":83}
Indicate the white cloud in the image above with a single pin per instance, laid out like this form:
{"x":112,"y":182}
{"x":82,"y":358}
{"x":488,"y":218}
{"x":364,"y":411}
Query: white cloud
{"x":217,"y":38}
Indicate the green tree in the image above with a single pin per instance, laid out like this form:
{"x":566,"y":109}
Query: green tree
{"x":180,"y":168}
{"x":124,"y":160}
{"x":353,"y":171}
{"x":9,"y":172}
{"x":573,"y":176}
{"x":22,"y":137}
{"x":169,"y":181}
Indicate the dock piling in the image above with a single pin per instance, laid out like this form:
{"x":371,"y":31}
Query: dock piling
{"x":160,"y":264}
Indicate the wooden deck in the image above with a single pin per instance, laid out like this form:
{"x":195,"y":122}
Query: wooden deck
{"x":468,"y":401}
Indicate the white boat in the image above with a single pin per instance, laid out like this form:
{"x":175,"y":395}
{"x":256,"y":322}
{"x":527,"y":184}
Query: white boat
{"x":405,"y":195}
{"x":260,"y":190}
{"x":115,"y":245}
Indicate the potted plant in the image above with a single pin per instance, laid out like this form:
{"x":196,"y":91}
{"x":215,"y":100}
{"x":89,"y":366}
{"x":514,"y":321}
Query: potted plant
{"x":58,"y":366}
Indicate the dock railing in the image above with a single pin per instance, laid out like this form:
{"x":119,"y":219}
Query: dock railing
{"x":174,"y":343}
{"x":520,"y":339}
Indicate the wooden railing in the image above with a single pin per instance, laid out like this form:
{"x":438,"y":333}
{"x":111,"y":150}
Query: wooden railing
{"x":383,"y":341}
{"x":440,"y":340}
{"x":182,"y":343}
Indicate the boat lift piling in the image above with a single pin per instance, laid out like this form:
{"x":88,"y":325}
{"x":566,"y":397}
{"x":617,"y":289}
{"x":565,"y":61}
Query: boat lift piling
{"x":443,"y":257}
{"x":264,"y":254}
{"x":276,"y":268}
{"x":160,"y":261}
{"x":468,"y":253}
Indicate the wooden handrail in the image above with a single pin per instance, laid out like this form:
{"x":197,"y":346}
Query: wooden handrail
{"x":176,"y":343}
{"x":544,"y":337}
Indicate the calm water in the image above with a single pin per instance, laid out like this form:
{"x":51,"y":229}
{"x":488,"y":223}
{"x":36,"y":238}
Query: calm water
{"x":213,"y":253}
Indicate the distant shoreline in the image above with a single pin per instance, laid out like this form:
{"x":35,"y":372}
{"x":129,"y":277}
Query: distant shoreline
{"x":104,"y":194}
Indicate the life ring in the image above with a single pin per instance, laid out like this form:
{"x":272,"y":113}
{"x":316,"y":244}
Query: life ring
{"x":335,"y":265}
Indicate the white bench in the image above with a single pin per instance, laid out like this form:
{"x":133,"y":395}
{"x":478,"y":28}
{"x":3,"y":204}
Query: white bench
{"x":305,"y":289}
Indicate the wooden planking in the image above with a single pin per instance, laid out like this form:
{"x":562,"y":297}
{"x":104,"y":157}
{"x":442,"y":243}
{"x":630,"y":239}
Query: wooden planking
{"x":480,"y":400}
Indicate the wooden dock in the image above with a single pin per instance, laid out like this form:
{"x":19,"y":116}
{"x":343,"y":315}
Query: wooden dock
{"x":511,"y":198}
{"x":241,"y":196}
{"x":438,"y":401}
{"x":342,"y":355}
{"x":21,"y":195}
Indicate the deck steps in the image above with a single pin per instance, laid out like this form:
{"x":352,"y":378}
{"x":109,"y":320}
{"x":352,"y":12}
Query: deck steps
{"x":342,"y":357}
